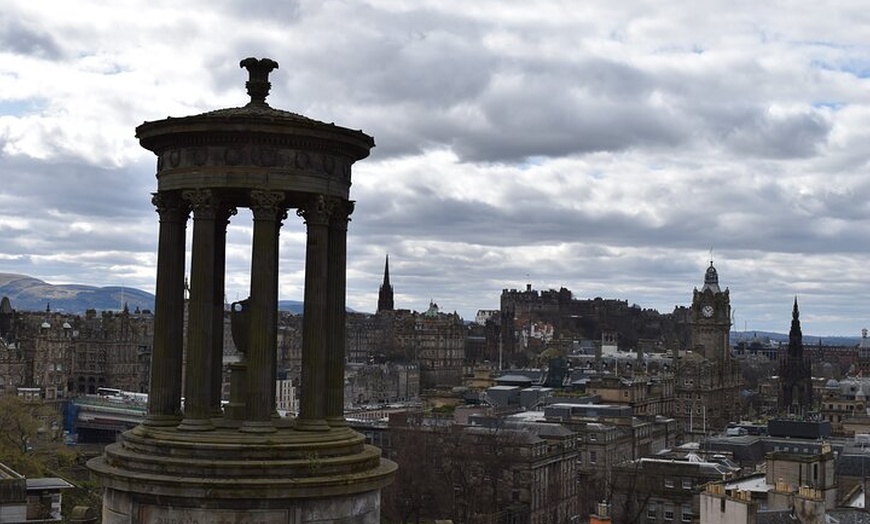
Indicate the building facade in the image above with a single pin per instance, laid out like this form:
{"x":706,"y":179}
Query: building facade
{"x":66,"y":355}
{"x":708,"y":378}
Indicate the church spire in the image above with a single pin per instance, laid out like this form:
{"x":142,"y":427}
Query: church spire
{"x":387,"y":271}
{"x":795,"y":337}
{"x":385,"y":294}
{"x":795,"y":371}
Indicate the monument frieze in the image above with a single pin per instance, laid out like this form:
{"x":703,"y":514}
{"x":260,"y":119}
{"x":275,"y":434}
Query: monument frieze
{"x":254,"y":156}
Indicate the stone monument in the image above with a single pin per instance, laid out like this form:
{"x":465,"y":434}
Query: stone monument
{"x":192,"y":460}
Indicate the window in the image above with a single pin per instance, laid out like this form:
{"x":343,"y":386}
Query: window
{"x":669,"y":483}
{"x":593,"y":437}
{"x":669,"y":512}
{"x":651,"y":511}
{"x":686,"y":514}
{"x":687,"y":483}
{"x":593,"y":457}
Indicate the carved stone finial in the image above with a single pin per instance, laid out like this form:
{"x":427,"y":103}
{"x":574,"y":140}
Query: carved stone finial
{"x":258,"y":84}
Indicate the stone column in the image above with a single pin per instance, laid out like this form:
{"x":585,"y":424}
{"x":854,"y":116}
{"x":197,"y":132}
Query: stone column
{"x":164,"y":397}
{"x":312,"y":409}
{"x":220,"y":242}
{"x":200,"y":316}
{"x":262,"y":342}
{"x":336,"y":313}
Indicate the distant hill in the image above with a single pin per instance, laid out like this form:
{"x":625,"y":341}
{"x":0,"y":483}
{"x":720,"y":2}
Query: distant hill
{"x":291,"y":306}
{"x":31,"y":294}
{"x":737,"y":336}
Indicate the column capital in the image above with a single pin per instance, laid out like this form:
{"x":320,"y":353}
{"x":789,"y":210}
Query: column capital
{"x":203,"y":201}
{"x":267,"y":205}
{"x":341,"y":211}
{"x":170,"y":206}
{"x":317,"y":210}
{"x":225,"y":212}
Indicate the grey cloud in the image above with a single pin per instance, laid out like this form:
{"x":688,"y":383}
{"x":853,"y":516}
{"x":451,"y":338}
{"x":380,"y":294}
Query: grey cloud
{"x":732,"y":218}
{"x":22,"y":38}
{"x":78,"y":188}
{"x":266,"y":11}
{"x":780,"y":136}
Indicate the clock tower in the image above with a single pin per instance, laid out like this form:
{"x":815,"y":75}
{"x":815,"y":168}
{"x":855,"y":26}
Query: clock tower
{"x":711,"y":318}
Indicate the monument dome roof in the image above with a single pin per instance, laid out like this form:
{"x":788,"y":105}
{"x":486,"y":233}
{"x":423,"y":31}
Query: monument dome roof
{"x":255,"y":120}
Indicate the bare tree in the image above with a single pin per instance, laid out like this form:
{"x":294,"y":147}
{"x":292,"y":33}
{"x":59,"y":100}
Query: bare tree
{"x":629,"y":493}
{"x":420,"y":488}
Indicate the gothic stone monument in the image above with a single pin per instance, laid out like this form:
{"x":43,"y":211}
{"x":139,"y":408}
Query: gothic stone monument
{"x":194,"y":461}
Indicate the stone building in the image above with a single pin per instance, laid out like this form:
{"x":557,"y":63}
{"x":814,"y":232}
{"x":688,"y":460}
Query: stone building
{"x":608,"y":435}
{"x":289,"y":356}
{"x":369,"y":337}
{"x":389,"y":382}
{"x":66,"y":355}
{"x":30,"y":500}
{"x":646,"y":394}
{"x":432,"y":340}
{"x":435,"y":341}
{"x":711,"y":318}
{"x":708,"y":378}
{"x":492,"y":469}
{"x":844,"y":404}
{"x":662,"y":490}
{"x":113,"y":350}
{"x":794,"y":487}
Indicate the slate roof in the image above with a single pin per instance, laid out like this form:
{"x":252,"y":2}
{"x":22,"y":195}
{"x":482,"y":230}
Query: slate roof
{"x":784,"y":516}
{"x":47,"y":483}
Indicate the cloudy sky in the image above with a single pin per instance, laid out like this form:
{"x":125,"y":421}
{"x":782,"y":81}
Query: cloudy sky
{"x":602,"y":146}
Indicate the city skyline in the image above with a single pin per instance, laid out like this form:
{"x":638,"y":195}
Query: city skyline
{"x":605,"y":149}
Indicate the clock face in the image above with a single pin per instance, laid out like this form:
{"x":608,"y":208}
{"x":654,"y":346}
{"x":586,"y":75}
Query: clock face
{"x":707,"y":311}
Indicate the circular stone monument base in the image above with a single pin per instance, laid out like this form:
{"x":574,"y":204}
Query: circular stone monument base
{"x":167,"y":476}
{"x":124,"y":507}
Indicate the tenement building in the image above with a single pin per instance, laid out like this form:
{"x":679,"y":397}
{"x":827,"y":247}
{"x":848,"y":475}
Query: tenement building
{"x":490,"y":470}
{"x":435,"y":341}
{"x":65,"y":355}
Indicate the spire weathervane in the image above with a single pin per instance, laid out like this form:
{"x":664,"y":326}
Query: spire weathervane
{"x":258,"y":84}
